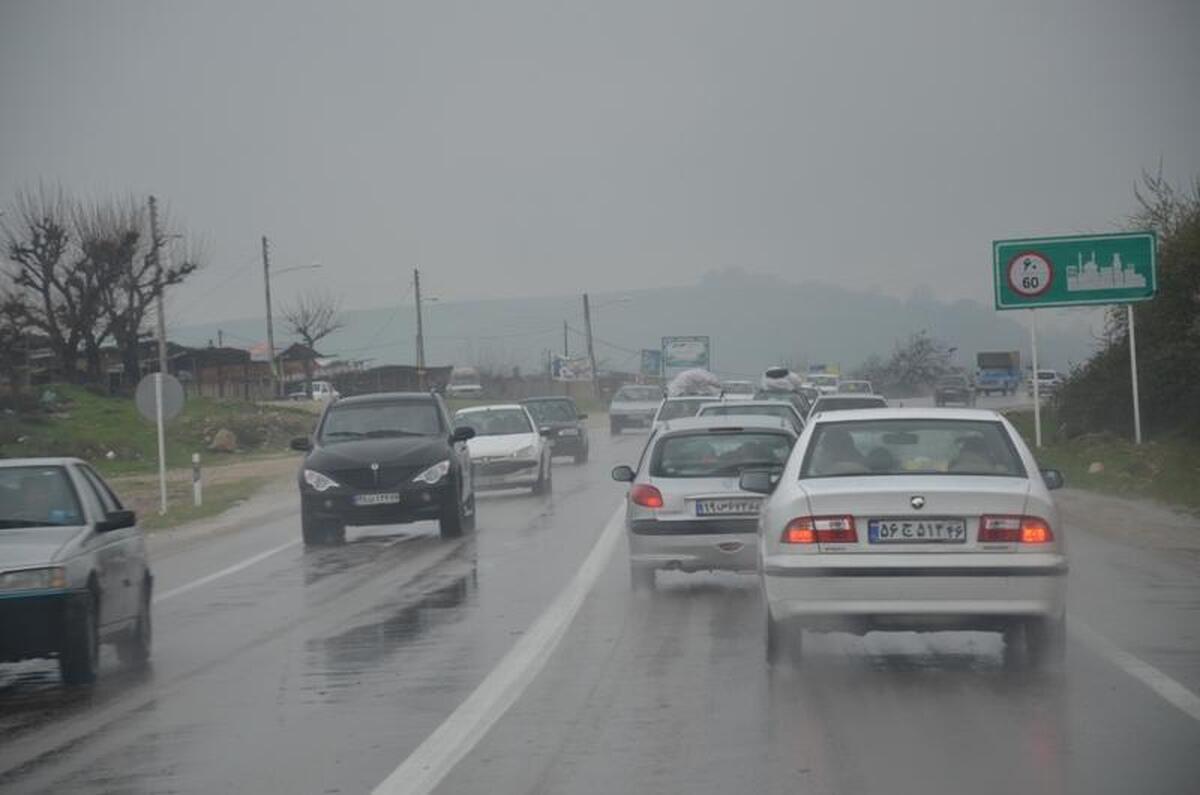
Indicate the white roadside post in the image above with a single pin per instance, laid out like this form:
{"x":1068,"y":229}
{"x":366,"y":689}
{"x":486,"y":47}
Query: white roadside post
{"x":197,"y":484}
{"x":162,"y":443}
{"x":1037,"y":397}
{"x":159,"y":398}
{"x":1137,"y":412}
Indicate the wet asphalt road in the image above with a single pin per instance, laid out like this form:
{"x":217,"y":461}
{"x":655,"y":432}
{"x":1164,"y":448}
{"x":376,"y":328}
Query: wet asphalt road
{"x":321,"y":671}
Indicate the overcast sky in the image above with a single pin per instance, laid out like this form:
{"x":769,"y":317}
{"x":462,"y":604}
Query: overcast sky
{"x":538,"y":148}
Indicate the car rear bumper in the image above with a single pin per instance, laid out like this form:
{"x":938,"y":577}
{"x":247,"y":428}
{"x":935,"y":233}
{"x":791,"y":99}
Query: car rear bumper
{"x":724,"y":551}
{"x":35,"y":625}
{"x":632,"y":418}
{"x":567,"y":445}
{"x":815,"y":590}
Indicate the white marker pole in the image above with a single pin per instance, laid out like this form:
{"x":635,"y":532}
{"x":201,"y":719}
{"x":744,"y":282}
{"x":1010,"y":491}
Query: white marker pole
{"x":197,"y":485}
{"x":1037,"y":398}
{"x":1137,"y":411}
{"x":162,"y":443}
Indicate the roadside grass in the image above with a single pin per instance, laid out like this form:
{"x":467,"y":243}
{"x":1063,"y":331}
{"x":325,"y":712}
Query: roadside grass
{"x":218,"y":498}
{"x":88,"y":425}
{"x":1166,"y":469}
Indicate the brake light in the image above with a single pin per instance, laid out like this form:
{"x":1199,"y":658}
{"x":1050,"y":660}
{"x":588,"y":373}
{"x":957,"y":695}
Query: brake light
{"x":646,"y":496}
{"x":1014,"y":530}
{"x":820,"y":530}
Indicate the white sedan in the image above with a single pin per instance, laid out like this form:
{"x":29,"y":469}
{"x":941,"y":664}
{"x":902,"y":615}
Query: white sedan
{"x":508,"y":450}
{"x":902,"y":519}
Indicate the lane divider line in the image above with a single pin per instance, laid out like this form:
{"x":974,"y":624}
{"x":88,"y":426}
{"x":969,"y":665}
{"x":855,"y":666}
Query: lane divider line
{"x":1170,"y":690}
{"x":225,"y":572}
{"x":462,"y":730}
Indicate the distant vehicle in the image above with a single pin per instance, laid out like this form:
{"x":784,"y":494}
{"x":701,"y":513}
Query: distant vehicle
{"x":508,"y":450}
{"x":321,"y":391}
{"x":998,"y":371}
{"x":912,"y":519}
{"x":684,"y":511}
{"x":827,"y":403}
{"x":737,"y":390}
{"x":464,"y":383}
{"x":954,"y":389}
{"x":73,"y":568}
{"x":386,"y":458}
{"x":568,"y":431}
{"x":824,"y":383}
{"x":783,"y":409}
{"x":679,"y":407}
{"x":633,"y":405}
{"x":1049,"y":382}
{"x":779,"y":383}
{"x":855,"y":388}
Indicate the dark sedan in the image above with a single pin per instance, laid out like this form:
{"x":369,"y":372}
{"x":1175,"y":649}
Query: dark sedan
{"x":568,"y":433}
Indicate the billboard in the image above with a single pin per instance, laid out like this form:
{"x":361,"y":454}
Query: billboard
{"x":652,"y":362}
{"x":571,"y":368}
{"x":685,"y":353}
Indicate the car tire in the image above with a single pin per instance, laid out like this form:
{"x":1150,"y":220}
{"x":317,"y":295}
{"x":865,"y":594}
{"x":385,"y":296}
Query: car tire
{"x":79,"y":658}
{"x":582,"y":456}
{"x":452,"y":520}
{"x":614,"y":427}
{"x":317,"y":532}
{"x":1046,"y":643}
{"x":784,"y":645}
{"x":134,"y":649}
{"x":544,"y":484}
{"x":641,"y":578}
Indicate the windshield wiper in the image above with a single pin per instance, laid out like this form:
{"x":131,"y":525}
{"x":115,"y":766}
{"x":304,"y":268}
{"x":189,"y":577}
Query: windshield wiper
{"x":385,"y":434}
{"x":342,"y":435}
{"x":15,"y":524}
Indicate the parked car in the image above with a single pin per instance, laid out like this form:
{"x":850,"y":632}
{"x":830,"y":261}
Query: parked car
{"x":321,"y":390}
{"x":1049,"y":382}
{"x":826,"y":403}
{"x":508,"y":450}
{"x":567,"y":426}
{"x":685,"y":510}
{"x":73,"y":568}
{"x":954,"y":389}
{"x":675,"y":408}
{"x":633,"y":406}
{"x":782,"y":409}
{"x":386,"y":458}
{"x":737,"y":390}
{"x":855,"y":388}
{"x":912,"y":519}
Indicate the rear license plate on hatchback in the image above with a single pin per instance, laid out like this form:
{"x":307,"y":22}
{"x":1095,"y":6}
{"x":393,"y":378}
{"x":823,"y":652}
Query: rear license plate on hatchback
{"x":917,"y":531}
{"x":363,"y":500}
{"x":735,"y":506}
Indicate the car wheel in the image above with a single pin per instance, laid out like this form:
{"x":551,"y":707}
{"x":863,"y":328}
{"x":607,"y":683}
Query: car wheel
{"x":614,"y":427}
{"x":641,"y":577}
{"x":783,"y":644}
{"x":543,"y":485}
{"x":452,"y":520}
{"x":134,"y":648}
{"x":582,"y":456}
{"x":1046,"y":642}
{"x":80,"y":655}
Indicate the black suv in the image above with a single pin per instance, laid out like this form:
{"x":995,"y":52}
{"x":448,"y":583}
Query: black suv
{"x":385,"y":459}
{"x":567,"y":430}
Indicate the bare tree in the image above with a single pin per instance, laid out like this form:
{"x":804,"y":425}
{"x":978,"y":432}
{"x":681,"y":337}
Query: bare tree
{"x":14,"y":337}
{"x":312,"y":317}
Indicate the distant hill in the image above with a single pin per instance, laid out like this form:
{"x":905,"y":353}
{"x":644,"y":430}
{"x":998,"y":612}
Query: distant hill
{"x":754,"y":321}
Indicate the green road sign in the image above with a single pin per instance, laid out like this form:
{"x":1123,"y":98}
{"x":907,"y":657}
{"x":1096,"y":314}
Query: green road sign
{"x":1074,"y":271}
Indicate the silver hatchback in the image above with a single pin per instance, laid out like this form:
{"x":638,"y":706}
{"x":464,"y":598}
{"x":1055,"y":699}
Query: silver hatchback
{"x":685,"y":510}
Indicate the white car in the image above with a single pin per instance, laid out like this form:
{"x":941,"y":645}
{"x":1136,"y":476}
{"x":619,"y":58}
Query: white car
{"x":676,"y":408}
{"x":825,"y":384}
{"x":508,"y":450}
{"x":846,"y":402}
{"x":737,"y":390}
{"x":634,"y":405}
{"x":780,"y":409}
{"x":322,"y":391}
{"x":902,"y":519}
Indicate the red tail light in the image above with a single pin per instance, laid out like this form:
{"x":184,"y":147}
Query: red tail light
{"x":1015,"y":530}
{"x":646,"y":496}
{"x":820,"y":530}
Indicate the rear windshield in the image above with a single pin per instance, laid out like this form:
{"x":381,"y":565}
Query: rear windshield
{"x":911,"y":447}
{"x":638,"y":393}
{"x":843,"y":404}
{"x":552,"y":410}
{"x":674,"y":409}
{"x":825,"y":380}
{"x":707,"y":454}
{"x":348,"y":421}
{"x":738,"y":387}
{"x":37,"y":496}
{"x":494,"y":422}
{"x":780,"y":410}
{"x":855,"y":387}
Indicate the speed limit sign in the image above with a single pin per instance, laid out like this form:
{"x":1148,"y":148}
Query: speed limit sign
{"x":1030,"y":274}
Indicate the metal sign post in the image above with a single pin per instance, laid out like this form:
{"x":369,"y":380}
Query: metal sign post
{"x":1037,"y":397}
{"x":162,"y":443}
{"x":159,"y":398}
{"x":1137,"y":411}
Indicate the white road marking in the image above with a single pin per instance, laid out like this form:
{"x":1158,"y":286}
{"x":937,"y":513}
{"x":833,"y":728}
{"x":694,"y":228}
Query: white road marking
{"x":225,"y":572}
{"x":1171,"y":691}
{"x":465,"y":727}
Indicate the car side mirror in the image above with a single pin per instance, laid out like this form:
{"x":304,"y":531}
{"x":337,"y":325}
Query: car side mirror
{"x":462,"y":433}
{"x":623,"y":474}
{"x":116,"y":520}
{"x":1053,"y":479}
{"x":301,"y":443}
{"x":758,"y":481}
{"x":582,"y":416}
{"x":545,"y":432}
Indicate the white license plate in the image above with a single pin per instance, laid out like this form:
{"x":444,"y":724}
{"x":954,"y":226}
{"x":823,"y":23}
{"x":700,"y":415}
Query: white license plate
{"x":390,"y":498}
{"x":736,"y":506}
{"x":917,"y":531}
{"x":569,"y":432}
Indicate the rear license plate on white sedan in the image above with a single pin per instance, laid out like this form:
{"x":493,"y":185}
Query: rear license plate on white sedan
{"x":917,"y":531}
{"x":363,"y":500}
{"x":736,"y":506}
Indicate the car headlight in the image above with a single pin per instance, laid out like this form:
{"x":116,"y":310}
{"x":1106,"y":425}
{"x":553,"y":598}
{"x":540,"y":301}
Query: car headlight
{"x":528,"y":451}
{"x":434,"y":474}
{"x":318,"y":481}
{"x":34,"y":579}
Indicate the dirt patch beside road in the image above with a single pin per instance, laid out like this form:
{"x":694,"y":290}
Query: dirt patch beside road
{"x":1139,"y":523}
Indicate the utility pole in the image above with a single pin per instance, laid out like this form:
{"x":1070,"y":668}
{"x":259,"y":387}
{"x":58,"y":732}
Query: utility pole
{"x":266,"y":257}
{"x":156,"y":243}
{"x":566,"y":346}
{"x":220,"y":338}
{"x":591,"y":348}
{"x":420,"y":331}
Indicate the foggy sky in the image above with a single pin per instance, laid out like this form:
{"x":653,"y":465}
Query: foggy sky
{"x":524,"y":148}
